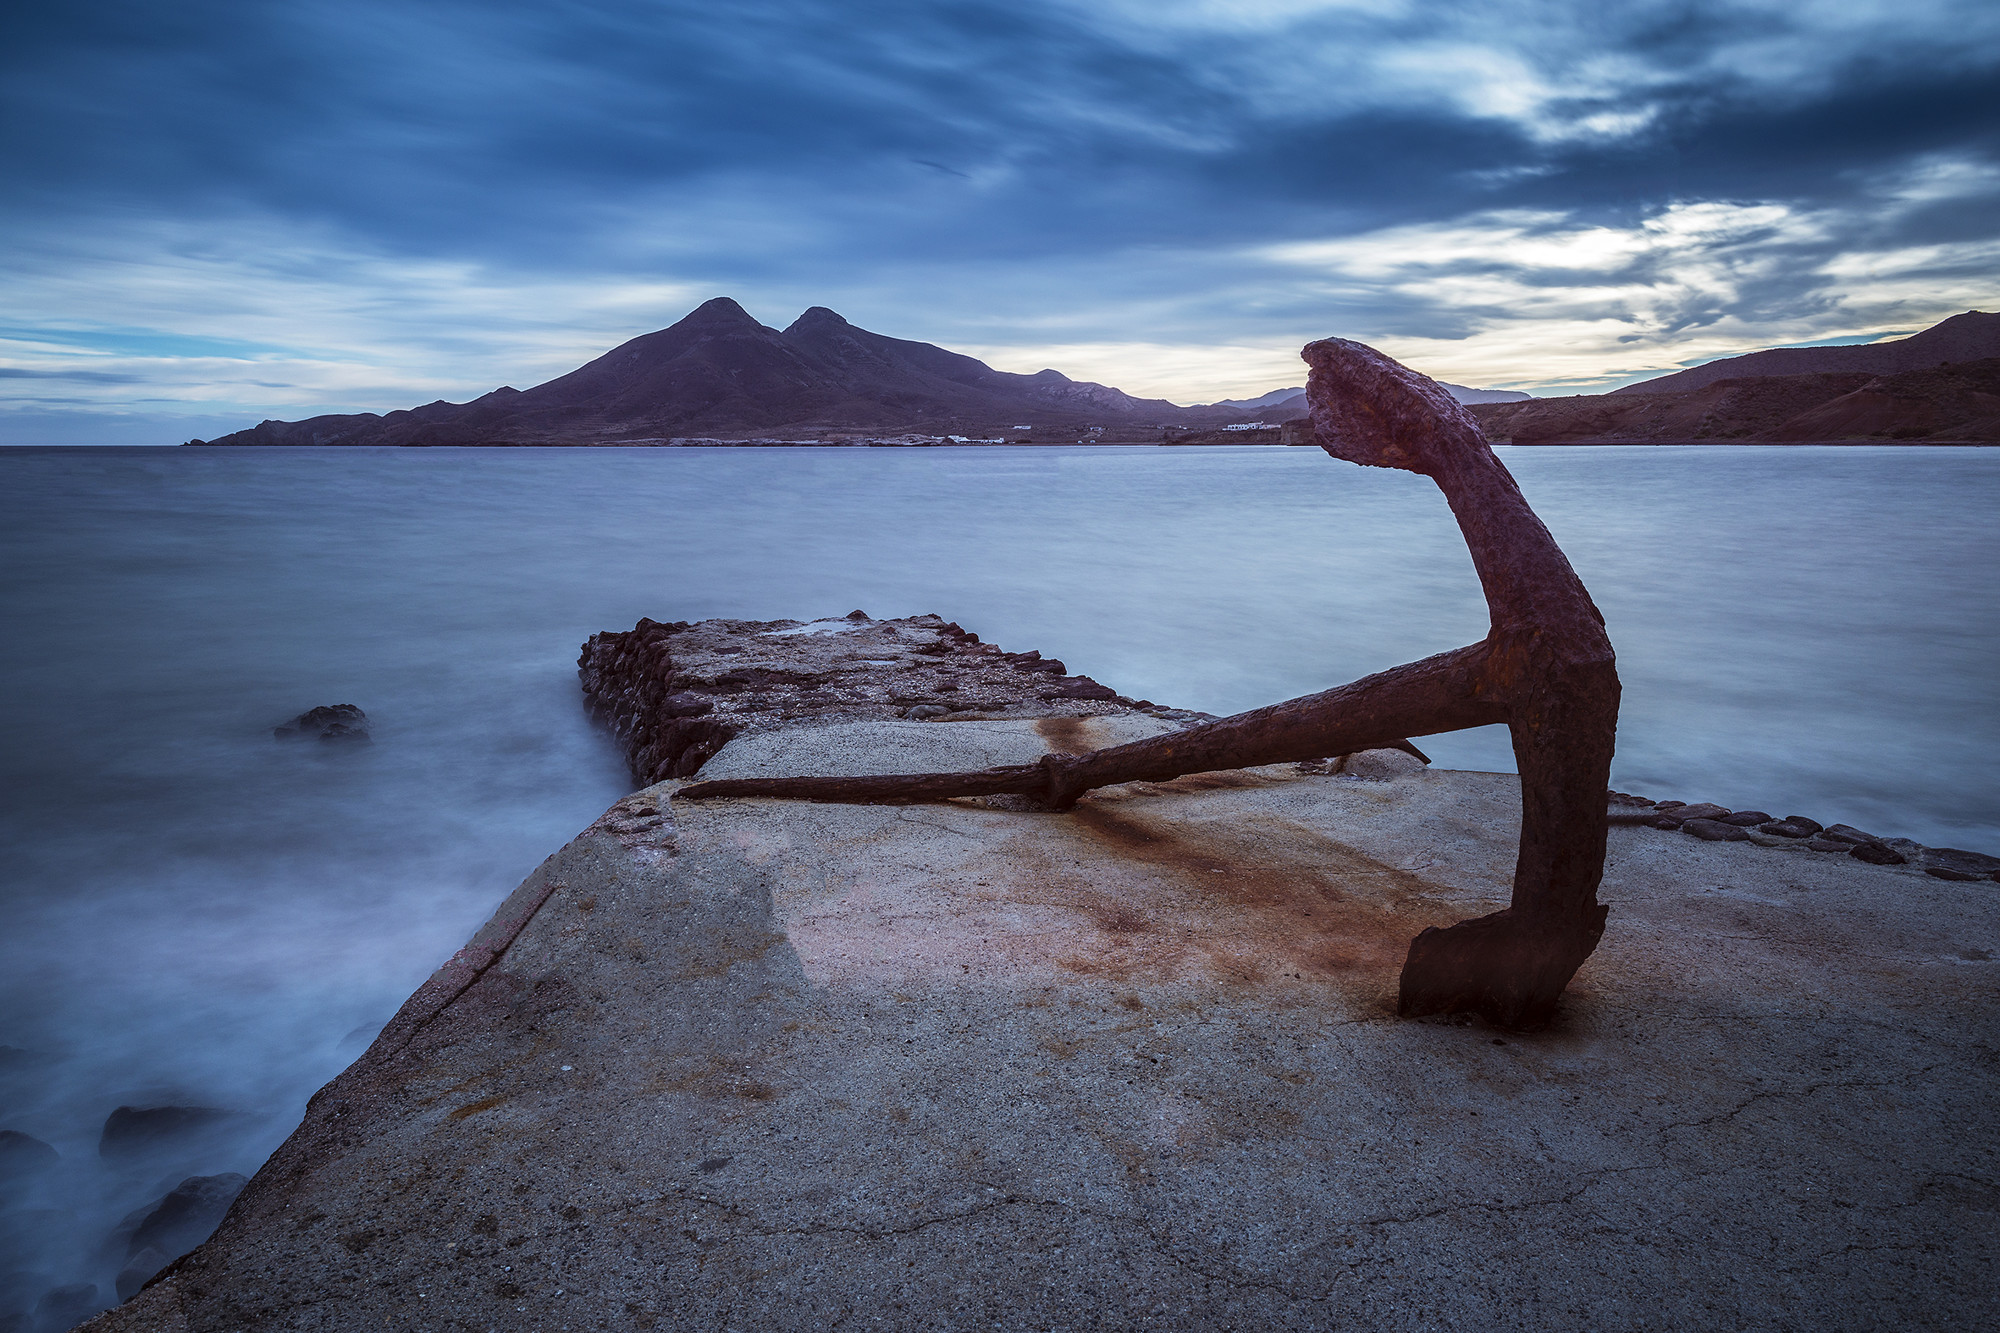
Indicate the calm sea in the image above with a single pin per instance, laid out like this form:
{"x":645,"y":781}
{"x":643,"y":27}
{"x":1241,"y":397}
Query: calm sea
{"x":196,"y":914}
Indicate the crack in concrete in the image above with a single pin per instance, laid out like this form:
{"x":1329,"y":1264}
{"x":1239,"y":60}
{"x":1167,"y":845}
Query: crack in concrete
{"x":906,"y":817}
{"x":1160,"y":1242}
{"x":459,"y":975}
{"x":1811,"y":1089}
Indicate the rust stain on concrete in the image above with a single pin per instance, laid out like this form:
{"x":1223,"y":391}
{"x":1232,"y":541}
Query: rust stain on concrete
{"x":1066,"y":735}
{"x":1258,"y":900}
{"x":1135,"y":888}
{"x":474,"y":1108}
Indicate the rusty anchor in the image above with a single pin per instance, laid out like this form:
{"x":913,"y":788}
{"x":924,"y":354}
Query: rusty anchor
{"x":1545,"y":668}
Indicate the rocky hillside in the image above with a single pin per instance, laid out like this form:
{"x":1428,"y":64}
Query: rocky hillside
{"x":1960,"y":401}
{"x":1954,"y":403}
{"x":720,"y":372}
{"x":1972,"y":336}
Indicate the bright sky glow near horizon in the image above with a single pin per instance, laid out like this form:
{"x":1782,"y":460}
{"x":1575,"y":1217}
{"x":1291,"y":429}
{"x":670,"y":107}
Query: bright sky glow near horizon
{"x":220,"y":211}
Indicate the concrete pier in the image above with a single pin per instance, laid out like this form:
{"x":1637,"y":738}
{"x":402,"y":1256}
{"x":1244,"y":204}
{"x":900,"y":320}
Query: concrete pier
{"x":767,"y":1064}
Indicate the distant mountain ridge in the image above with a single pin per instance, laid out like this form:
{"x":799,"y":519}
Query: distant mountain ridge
{"x":1939,"y":386}
{"x":1294,"y":400}
{"x":1471,"y":397}
{"x":1958,"y":402}
{"x":1972,"y":336}
{"x":1275,"y":398}
{"x":720,"y":372}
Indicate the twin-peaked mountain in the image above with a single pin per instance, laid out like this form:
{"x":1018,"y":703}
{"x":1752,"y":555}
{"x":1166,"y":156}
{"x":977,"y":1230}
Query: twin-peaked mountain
{"x":719,"y":372}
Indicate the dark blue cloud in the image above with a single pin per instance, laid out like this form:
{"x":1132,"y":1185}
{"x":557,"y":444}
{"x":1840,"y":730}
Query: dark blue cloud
{"x":876,"y":152}
{"x":1820,"y":145}
{"x":504,"y":126}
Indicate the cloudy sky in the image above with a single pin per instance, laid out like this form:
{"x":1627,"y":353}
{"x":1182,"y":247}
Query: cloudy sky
{"x":216,"y":211}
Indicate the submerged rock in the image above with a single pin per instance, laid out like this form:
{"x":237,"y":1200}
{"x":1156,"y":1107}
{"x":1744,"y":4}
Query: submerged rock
{"x":139,"y":1270}
{"x":132,"y":1131}
{"x":186,"y":1217}
{"x":65,"y":1307}
{"x":188,"y":1214}
{"x":19,"y":1287}
{"x":16,"y":1060}
{"x":328,"y":722}
{"x":23,"y":1155}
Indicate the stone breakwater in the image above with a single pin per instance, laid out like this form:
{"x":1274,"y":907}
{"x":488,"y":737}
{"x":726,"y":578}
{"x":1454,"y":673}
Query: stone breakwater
{"x":673,"y":694}
{"x":1717,"y":823}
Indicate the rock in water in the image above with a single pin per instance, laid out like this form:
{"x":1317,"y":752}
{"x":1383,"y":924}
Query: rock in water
{"x":181,"y":1221}
{"x":186,"y":1216}
{"x":23,"y":1155}
{"x":139,"y":1270}
{"x":328,"y":722}
{"x":131,"y":1131}
{"x":15,"y":1060}
{"x":65,"y":1307}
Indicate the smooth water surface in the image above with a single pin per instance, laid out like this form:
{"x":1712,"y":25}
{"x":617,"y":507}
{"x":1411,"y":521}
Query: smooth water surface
{"x":198,"y":914}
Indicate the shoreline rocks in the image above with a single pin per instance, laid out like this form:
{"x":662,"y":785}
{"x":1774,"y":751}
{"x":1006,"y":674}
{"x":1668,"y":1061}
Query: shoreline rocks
{"x":1715,"y":823}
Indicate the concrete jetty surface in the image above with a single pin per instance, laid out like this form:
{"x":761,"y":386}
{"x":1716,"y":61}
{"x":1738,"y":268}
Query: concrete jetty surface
{"x":763,"y":1064}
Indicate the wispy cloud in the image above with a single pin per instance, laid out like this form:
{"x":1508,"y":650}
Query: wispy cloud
{"x":84,"y":376}
{"x":378,"y":204}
